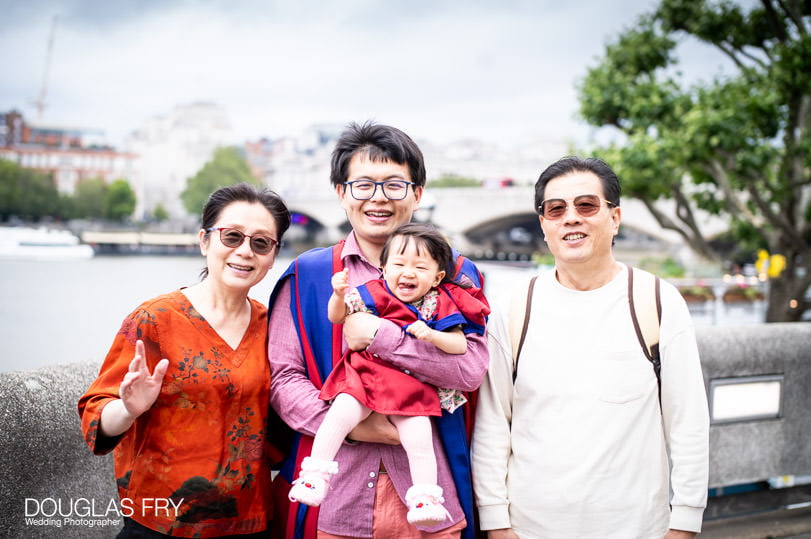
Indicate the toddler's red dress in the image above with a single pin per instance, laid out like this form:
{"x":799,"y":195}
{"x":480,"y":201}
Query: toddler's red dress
{"x":379,"y":385}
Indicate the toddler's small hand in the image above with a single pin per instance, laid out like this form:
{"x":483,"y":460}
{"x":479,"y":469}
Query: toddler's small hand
{"x":420,"y":330}
{"x":340,"y":282}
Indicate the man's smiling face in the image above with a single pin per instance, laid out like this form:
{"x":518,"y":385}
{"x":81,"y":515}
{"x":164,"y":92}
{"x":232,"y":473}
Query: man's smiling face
{"x":374,"y":220}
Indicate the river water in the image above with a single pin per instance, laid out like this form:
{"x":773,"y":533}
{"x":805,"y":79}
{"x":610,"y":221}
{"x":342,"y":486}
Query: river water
{"x":55,"y":312}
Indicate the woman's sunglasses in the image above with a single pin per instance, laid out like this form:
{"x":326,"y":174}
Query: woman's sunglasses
{"x":584,"y":205}
{"x":231,"y":237}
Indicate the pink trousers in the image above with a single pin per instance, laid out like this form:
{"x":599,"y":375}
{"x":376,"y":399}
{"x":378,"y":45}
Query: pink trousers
{"x":390,"y":518}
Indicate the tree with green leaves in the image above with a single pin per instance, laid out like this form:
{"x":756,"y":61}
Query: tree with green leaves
{"x":227,"y":167}
{"x":160,"y":213}
{"x":26,"y":194}
{"x":454,"y":180}
{"x":119,"y":201}
{"x":89,"y":199}
{"x":738,"y":146}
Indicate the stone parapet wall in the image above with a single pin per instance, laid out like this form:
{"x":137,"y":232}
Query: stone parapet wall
{"x":752,"y":451}
{"x":44,"y":455}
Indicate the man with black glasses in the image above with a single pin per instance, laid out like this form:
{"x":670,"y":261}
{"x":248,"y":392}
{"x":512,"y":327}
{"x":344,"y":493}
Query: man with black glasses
{"x":574,"y":435}
{"x":378,"y":174}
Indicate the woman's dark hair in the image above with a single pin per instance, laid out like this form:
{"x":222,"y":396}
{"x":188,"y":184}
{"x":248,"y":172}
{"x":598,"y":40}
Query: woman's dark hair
{"x":428,"y":238}
{"x":571,"y":164}
{"x":243,"y":192}
{"x":380,"y":143}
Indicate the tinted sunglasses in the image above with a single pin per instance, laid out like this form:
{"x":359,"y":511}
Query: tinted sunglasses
{"x":584,"y":205}
{"x":231,"y":237}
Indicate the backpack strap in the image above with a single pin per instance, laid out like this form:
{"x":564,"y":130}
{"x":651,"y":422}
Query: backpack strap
{"x":519,"y":321}
{"x":645,"y":302}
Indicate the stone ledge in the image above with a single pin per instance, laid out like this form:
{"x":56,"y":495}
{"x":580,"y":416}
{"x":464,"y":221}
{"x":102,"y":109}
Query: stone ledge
{"x":43,"y":452}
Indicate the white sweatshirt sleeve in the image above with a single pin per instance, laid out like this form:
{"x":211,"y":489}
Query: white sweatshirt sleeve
{"x":491,"y":446}
{"x":685,"y":414}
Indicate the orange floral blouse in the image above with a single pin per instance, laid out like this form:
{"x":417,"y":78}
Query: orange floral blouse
{"x":197,"y":464}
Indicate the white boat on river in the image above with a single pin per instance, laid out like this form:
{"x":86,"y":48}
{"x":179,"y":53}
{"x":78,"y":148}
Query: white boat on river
{"x":26,"y":243}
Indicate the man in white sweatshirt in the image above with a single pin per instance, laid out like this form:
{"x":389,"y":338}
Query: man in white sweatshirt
{"x":580,"y":444}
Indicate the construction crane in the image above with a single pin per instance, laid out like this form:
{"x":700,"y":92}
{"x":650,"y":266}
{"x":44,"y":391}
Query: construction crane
{"x":40,"y":101}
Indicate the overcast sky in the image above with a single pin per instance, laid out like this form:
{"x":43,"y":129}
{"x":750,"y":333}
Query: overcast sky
{"x":500,"y":70}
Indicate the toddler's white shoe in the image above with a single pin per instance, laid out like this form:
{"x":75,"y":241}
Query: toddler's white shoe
{"x":313,"y":481}
{"x":425,"y":505}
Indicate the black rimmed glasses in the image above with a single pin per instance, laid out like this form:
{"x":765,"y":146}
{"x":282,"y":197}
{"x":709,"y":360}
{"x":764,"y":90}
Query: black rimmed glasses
{"x":366,"y":189}
{"x":584,"y":205}
{"x":233,"y":238}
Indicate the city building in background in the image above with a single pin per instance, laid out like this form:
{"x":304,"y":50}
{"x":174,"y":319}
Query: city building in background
{"x":491,"y":163}
{"x":294,"y":164}
{"x":300,"y":163}
{"x":66,"y":154}
{"x":172,"y":148}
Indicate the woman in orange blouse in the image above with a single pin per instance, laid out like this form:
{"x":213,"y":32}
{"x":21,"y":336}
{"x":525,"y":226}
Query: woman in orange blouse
{"x":182,"y":396}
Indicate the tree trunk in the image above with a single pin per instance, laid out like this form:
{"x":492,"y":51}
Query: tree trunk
{"x":786,"y":301}
{"x":779,"y":308}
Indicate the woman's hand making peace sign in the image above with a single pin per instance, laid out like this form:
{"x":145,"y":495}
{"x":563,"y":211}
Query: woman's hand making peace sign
{"x":138,"y":392}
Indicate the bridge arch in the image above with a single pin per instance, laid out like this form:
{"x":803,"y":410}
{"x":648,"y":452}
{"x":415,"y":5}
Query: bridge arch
{"x":514,"y":236}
